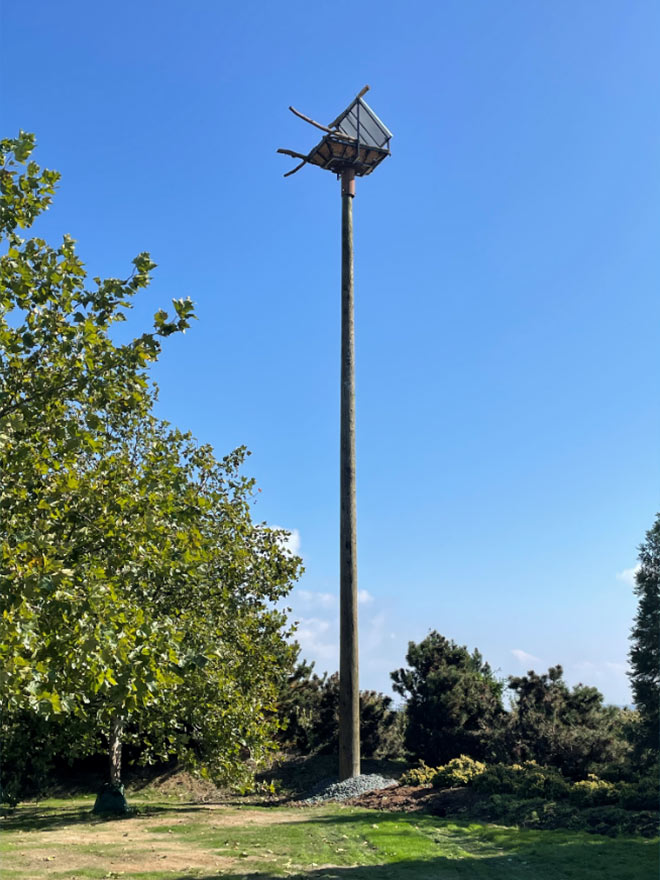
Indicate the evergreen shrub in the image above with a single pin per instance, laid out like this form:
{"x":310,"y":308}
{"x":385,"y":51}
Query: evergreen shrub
{"x":422,"y":775}
{"x":458,"y":771}
{"x":527,"y":780}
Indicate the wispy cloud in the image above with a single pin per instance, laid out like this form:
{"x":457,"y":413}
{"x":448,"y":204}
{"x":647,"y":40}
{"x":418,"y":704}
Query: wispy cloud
{"x":312,"y":626}
{"x":323,"y":600}
{"x":317,"y":633}
{"x":628,"y":575}
{"x":317,"y":639}
{"x":523,"y":657}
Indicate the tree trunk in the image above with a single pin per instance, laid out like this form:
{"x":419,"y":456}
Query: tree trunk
{"x":116,"y":731}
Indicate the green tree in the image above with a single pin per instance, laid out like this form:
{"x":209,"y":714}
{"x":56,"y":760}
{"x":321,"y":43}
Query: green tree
{"x":454,"y":702}
{"x":135,"y":591}
{"x":65,"y":387}
{"x":183,"y":583}
{"x":298,"y":703}
{"x":645,"y":646}
{"x":308,"y":707}
{"x":557,"y":726}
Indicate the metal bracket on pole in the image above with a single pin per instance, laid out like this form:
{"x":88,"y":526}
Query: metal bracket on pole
{"x":348,"y":182}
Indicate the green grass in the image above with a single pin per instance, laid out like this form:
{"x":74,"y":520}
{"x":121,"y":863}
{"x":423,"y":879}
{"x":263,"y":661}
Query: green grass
{"x":165,"y":841}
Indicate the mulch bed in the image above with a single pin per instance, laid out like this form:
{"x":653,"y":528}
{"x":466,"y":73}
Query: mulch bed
{"x":414,"y":798}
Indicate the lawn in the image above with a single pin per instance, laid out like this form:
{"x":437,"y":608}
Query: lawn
{"x":173,"y":841}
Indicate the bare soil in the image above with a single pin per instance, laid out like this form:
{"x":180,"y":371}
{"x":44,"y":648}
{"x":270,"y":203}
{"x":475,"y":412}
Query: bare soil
{"x":413,"y":798}
{"x":140,"y":845}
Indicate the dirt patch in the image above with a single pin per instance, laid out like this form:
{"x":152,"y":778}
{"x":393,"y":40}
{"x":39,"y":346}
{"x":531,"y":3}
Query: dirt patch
{"x":179,"y":784}
{"x":139,"y":844}
{"x":142,"y":843}
{"x":403,"y":798}
{"x":159,"y":856}
{"x":414,"y":798}
{"x":261,"y":817}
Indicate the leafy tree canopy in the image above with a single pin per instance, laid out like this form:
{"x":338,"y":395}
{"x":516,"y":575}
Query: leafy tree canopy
{"x":135,"y":591}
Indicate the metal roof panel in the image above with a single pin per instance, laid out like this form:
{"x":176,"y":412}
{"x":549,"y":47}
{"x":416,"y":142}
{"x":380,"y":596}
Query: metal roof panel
{"x":371,"y":130}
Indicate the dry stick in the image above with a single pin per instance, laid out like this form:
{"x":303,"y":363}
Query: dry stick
{"x":297,"y":168}
{"x":292,"y":153}
{"x":318,"y":124}
{"x":295,"y":156}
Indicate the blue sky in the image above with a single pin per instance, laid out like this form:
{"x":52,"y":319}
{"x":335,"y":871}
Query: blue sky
{"x":507,"y":270}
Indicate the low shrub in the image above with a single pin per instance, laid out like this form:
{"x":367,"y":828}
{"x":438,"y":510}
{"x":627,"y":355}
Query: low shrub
{"x":593,"y":792}
{"x":526,"y":780}
{"x":508,"y":809}
{"x":458,"y":771}
{"x":546,"y":792}
{"x":422,"y":775}
{"x":641,"y":795}
{"x":613,"y":820}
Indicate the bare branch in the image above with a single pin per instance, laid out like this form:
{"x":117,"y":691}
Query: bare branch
{"x":325,"y":128}
{"x":297,"y":168}
{"x":292,"y":153}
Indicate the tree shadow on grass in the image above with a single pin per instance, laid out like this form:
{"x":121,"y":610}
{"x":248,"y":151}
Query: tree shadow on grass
{"x":583,"y":859}
{"x":45,"y":818}
{"x":40,"y":818}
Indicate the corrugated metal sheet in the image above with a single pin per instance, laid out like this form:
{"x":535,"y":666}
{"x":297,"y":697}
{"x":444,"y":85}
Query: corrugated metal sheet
{"x":359,"y":120}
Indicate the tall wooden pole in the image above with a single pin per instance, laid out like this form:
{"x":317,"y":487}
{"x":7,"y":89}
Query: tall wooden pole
{"x":349,"y":688}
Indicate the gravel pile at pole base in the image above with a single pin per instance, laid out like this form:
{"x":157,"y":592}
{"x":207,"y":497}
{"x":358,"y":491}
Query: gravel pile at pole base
{"x":349,"y":788}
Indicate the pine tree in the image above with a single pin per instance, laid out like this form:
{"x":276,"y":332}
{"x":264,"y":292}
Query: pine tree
{"x":453,"y":701}
{"x":645,"y":638}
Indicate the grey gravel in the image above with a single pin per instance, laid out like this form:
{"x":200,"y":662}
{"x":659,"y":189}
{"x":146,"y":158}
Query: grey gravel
{"x":328,"y":790}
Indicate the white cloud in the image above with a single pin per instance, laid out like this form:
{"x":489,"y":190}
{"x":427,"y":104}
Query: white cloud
{"x":318,"y":641}
{"x":324,"y":600}
{"x":628,"y":575}
{"x":523,"y":657}
{"x":317,"y":614}
{"x":292,"y":541}
{"x":312,"y":626}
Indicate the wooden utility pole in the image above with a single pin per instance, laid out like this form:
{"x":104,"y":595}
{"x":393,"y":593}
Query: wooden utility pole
{"x":353,"y":145}
{"x":349,"y":687}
